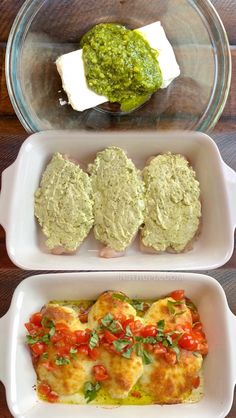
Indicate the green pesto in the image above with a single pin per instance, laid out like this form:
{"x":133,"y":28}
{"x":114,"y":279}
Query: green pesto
{"x":120,"y":64}
{"x":173,"y":208}
{"x":118,"y":192}
{"x":63,"y":204}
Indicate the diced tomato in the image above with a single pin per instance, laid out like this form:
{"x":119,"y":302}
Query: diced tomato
{"x":170,"y":357}
{"x":120,"y":317}
{"x":32,"y":329}
{"x":70,"y":338}
{"x":203,"y":348}
{"x":63,"y":351}
{"x":159,"y":348}
{"x":136,"y":394}
{"x":177,"y":294}
{"x":58,"y":336}
{"x":94,"y":353}
{"x":135,"y":327}
{"x":64,"y":335}
{"x":110,"y":348}
{"x":39,"y":348}
{"x":83,"y":317}
{"x":197,"y":326}
{"x":109,"y":337}
{"x":196,"y":382}
{"x":36,"y":319}
{"x":195,"y":316}
{"x":44,"y":389}
{"x":199,"y":335}
{"x":49,"y":365}
{"x":188,"y":341}
{"x":127,"y":322}
{"x":100,"y":373}
{"x":60,"y":326}
{"x":83,"y":349}
{"x":82,"y":336}
{"x":148,"y":331}
{"x":52,"y":397}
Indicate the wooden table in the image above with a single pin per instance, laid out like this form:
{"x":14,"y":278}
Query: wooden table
{"x":12,"y":134}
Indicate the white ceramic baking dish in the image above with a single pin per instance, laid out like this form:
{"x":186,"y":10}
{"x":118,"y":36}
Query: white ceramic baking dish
{"x":25,"y":242}
{"x":16,"y":370}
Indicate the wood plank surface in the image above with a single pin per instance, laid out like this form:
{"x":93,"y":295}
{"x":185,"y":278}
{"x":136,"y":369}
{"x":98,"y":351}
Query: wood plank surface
{"x":12,"y":135}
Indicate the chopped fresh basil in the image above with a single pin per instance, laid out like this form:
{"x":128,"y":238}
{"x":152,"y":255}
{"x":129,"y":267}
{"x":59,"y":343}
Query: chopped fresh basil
{"x":115,"y":327}
{"x":128,"y":331}
{"x":127,"y":353}
{"x":44,"y":356}
{"x":73,"y":352}
{"x":191,"y":305}
{"x":62,"y":361}
{"x":120,"y":344}
{"x":147,"y":359}
{"x":94,"y":340}
{"x":121,"y":297}
{"x":176,"y":349}
{"x":165,"y":343}
{"x":138,"y":349}
{"x":52,"y":331}
{"x":161,"y":325}
{"x":47,"y":323}
{"x":149,"y":340}
{"x":179,"y":313}
{"x":31,"y":340}
{"x":139,"y":306}
{"x":171,"y":304}
{"x":170,"y":307}
{"x":169,"y":339}
{"x":90,"y":390}
{"x":45,"y":339}
{"x":107,"y":320}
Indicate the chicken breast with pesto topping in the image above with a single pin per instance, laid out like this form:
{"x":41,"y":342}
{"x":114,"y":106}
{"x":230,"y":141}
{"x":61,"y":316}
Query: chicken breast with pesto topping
{"x":172,"y":204}
{"x":118,"y":200}
{"x":64,"y":205}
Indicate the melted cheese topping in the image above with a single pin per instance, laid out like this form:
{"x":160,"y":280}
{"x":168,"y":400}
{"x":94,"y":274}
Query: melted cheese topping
{"x":159,"y":310}
{"x":159,"y":382}
{"x":169,"y":384}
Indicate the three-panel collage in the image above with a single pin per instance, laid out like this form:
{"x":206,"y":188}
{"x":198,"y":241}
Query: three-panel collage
{"x":117,"y":208}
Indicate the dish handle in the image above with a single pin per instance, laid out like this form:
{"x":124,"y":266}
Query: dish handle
{"x":230,"y":176}
{"x":8,"y":178}
{"x":4,"y":325}
{"x":233,"y":336}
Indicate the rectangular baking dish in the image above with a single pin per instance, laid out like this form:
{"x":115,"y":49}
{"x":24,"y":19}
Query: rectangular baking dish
{"x":25,"y":242}
{"x":18,"y":376}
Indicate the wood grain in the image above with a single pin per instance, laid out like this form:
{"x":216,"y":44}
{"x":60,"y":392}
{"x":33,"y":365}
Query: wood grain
{"x":226,"y":11}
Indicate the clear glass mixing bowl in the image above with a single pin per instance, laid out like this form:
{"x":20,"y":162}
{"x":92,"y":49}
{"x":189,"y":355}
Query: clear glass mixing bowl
{"x":45,"y":29}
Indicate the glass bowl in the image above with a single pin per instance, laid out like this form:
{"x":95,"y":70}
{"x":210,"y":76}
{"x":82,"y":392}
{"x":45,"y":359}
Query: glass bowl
{"x":45,"y":29}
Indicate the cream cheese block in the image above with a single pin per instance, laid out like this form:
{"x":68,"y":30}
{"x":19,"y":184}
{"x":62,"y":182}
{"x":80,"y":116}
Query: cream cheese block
{"x":71,"y":69}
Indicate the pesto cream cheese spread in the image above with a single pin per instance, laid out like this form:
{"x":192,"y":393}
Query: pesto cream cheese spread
{"x":172,"y":201}
{"x":118,"y":198}
{"x":63,"y":204}
{"x":120,"y":64}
